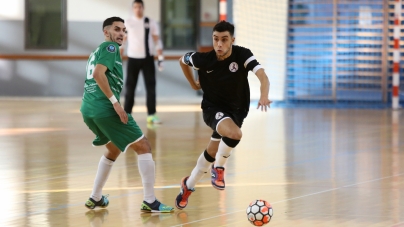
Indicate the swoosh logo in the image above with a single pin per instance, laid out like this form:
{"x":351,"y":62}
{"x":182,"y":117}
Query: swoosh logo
{"x":209,"y":71}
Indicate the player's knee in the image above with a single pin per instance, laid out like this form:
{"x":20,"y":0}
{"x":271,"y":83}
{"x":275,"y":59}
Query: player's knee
{"x":236,"y":134}
{"x":114,"y":150}
{"x":230,"y":142}
{"x":210,"y":154}
{"x":112,"y":154}
{"x":142,"y":146}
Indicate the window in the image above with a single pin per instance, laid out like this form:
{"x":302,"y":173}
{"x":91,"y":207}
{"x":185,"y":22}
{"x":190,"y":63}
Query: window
{"x":45,"y":24}
{"x":337,"y":55}
{"x":179,"y":24}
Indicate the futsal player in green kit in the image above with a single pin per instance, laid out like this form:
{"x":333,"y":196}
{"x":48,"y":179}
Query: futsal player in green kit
{"x":112,"y":126}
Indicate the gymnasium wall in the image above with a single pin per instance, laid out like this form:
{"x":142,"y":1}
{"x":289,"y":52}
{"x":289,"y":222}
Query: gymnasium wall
{"x":66,"y":77}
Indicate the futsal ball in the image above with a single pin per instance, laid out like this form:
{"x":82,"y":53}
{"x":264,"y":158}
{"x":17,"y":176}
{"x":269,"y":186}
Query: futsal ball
{"x":259,"y":212}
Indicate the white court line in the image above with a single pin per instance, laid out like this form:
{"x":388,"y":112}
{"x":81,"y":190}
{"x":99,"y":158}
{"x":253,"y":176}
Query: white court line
{"x":140,"y":187}
{"x":299,"y":197}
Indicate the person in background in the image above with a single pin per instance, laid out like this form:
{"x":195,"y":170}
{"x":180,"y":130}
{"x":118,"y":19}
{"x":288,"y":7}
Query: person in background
{"x":143,"y":41}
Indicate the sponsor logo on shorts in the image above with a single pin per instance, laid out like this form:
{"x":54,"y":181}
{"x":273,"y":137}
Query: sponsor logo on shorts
{"x":219,"y":115}
{"x":233,"y":67}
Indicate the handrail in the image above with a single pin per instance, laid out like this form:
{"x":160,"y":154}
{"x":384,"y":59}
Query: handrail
{"x":63,"y":57}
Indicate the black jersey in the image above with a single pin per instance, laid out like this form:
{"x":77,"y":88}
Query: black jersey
{"x":224,"y":83}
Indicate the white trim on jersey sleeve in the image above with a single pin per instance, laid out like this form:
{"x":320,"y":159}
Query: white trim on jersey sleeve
{"x":250,"y":59}
{"x":255,"y":69}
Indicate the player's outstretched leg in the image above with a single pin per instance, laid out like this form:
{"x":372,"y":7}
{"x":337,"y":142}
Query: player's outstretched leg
{"x":147,"y":172}
{"x":231,"y":137}
{"x":188,"y":183}
{"x":182,"y":199}
{"x":104,"y":168}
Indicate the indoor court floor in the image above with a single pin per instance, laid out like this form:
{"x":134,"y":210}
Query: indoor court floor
{"x":317,"y":167}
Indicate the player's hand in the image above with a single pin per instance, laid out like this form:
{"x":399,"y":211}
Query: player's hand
{"x":264,"y":103}
{"x":160,"y":65}
{"x":196,"y":85}
{"x":121,"y":112}
{"x":160,"y":62}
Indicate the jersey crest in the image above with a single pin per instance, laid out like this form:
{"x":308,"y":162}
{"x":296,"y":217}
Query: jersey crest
{"x":111,"y":48}
{"x":219,"y":115}
{"x":233,"y":67}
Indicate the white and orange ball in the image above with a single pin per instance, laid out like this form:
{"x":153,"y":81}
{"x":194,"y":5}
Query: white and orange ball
{"x":259,"y":212}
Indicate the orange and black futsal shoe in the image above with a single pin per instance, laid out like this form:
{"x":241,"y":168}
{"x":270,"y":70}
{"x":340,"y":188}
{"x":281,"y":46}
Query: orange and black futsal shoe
{"x":182,"y":199}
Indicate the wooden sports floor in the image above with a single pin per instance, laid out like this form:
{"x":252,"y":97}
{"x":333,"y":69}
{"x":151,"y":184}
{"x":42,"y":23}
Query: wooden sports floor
{"x":317,"y":167}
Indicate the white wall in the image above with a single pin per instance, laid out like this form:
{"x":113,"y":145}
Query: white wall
{"x":99,"y":10}
{"x":261,"y":25}
{"x":12,"y":9}
{"x":84,"y":10}
{"x":96,"y":10}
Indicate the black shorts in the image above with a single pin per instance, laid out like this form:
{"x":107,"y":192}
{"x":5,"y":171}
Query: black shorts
{"x":214,"y":115}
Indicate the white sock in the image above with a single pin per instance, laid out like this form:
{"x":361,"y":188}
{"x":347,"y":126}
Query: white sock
{"x":202,"y":166}
{"x":223,"y":152}
{"x":104,"y":168}
{"x":147,"y":172}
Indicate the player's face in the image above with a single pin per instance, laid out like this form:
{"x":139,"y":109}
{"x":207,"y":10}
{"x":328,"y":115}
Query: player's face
{"x":116,"y":32}
{"x":138,"y":10}
{"x":222,"y":43}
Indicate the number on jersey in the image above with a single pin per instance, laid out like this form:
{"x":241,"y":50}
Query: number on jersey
{"x":91,"y":65}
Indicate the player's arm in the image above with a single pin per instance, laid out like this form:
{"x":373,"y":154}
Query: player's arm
{"x":102,"y":81}
{"x":186,"y":66}
{"x":264,"y":102}
{"x":158,"y":44}
{"x":251,"y":64}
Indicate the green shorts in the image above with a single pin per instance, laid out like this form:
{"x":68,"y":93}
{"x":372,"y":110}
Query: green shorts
{"x":111,"y":129}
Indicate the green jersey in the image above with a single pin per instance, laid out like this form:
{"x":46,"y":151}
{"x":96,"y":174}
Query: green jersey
{"x":95,"y":103}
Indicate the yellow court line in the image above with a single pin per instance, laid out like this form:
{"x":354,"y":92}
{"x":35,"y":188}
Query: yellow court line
{"x":139,"y":188}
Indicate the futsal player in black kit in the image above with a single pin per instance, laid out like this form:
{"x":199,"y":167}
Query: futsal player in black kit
{"x":222,"y":75}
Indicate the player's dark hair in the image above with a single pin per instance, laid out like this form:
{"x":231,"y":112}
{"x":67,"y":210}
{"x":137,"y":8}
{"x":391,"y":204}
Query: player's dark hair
{"x":224,"y":26}
{"x":110,"y":21}
{"x":138,"y":1}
